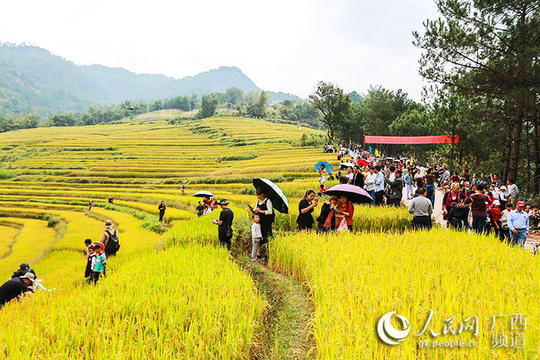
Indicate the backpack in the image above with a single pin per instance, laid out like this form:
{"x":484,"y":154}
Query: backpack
{"x":112,"y":245}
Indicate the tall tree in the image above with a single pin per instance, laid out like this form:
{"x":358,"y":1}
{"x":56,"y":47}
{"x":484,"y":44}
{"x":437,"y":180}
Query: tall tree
{"x":209,"y":105}
{"x":489,"y":48}
{"x":333,"y":103}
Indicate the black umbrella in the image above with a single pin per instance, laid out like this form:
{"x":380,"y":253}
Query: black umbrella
{"x":203,"y":193}
{"x":274,"y":193}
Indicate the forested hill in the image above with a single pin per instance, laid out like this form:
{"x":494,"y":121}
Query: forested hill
{"x":34,"y":80}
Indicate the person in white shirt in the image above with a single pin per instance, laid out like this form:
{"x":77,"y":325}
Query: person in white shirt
{"x":369,"y":183}
{"x":349,"y":174}
{"x":256,"y":236}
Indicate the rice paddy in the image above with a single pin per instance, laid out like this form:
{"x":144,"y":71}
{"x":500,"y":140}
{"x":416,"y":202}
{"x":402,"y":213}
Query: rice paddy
{"x":172,"y":293}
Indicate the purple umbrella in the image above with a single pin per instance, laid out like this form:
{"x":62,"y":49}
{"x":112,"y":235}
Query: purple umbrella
{"x":354,"y":193}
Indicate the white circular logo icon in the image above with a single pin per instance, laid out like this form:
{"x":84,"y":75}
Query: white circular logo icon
{"x":388,"y":333}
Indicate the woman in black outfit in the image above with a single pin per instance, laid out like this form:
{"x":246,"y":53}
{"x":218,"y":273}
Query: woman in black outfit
{"x":305,"y":219}
{"x":161,"y":209}
{"x":266,"y":212}
{"x":327,"y":210}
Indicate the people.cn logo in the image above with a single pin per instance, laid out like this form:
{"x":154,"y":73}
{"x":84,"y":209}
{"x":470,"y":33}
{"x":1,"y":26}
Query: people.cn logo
{"x":388,"y":333}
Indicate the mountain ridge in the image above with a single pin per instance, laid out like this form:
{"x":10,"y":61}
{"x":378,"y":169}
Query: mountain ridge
{"x":34,"y":80}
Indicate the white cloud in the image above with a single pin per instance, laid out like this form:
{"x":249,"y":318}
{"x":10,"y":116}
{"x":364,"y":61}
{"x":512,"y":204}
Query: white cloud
{"x":281,"y":45}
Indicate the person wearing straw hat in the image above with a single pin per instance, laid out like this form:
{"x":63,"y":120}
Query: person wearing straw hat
{"x":110,"y":239}
{"x":224,"y":224}
{"x":16,"y":287}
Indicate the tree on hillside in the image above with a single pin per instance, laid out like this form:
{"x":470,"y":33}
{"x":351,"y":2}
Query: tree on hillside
{"x":233,"y":96}
{"x":257,"y":107}
{"x":209,"y":105}
{"x":490,"y":50}
{"x":333,"y":103}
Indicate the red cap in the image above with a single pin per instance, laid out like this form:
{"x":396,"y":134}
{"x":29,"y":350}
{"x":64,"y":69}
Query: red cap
{"x":520,"y":203}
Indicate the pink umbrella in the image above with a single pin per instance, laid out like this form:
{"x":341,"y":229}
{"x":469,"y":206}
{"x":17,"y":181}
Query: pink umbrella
{"x":354,"y":193}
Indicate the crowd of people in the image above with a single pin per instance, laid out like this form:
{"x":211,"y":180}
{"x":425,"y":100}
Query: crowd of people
{"x":481,"y":203}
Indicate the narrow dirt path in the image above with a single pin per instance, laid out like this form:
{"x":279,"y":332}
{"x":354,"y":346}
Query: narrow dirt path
{"x":286,"y":330}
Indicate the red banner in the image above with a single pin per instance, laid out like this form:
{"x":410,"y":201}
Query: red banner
{"x":441,"y":139}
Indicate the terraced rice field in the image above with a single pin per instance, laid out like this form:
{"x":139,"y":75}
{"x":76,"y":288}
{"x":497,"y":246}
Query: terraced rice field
{"x":172,"y":293}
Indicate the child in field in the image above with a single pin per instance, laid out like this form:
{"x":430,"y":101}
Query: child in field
{"x":256,"y":237}
{"x":99,"y":264}
{"x":88,"y":242}
{"x":90,"y":258}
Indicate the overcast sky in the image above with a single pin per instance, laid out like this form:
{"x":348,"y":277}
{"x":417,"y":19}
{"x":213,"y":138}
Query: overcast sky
{"x":282,"y":45}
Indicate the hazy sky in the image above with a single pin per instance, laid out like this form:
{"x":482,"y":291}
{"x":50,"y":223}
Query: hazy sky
{"x":281,"y":45}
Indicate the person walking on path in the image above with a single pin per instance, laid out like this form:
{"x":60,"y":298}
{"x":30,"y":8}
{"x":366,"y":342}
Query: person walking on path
{"x":518,"y":224}
{"x":109,"y":239}
{"x":305,"y":209}
{"x":430,"y":188}
{"x":479,"y":209}
{"x":409,"y":183}
{"x":161,"y":209}
{"x":421,"y":209}
{"x":513,"y":192}
{"x":224,"y":223}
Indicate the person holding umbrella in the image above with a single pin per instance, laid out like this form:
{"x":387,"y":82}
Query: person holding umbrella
{"x":322,"y":173}
{"x":264,"y":209}
{"x":307,"y":204}
{"x":344,"y":211}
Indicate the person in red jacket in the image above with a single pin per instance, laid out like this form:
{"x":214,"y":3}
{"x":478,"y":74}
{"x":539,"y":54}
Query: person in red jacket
{"x":494,"y":214}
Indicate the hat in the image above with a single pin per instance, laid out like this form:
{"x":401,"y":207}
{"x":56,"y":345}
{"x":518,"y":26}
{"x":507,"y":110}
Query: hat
{"x":223,"y":202}
{"x":29,"y":276}
{"x":24,"y":267}
{"x":108,"y":223}
{"x":497,"y":202}
{"x":535,"y":205}
{"x":455,"y":186}
{"x":503,"y":187}
{"x":520,"y":203}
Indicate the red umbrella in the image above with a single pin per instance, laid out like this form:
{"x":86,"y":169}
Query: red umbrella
{"x":362,"y":162}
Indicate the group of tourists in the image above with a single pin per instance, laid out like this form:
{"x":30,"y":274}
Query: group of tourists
{"x":478,"y":203}
{"x":98,"y":252}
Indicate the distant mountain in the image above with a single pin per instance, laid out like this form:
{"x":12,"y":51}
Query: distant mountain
{"x":32,"y":79}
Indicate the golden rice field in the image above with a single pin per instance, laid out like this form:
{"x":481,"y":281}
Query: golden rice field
{"x":172,"y":293}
